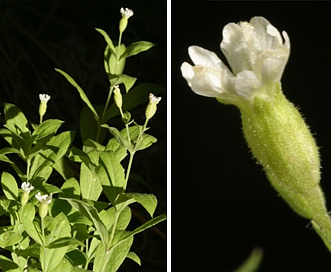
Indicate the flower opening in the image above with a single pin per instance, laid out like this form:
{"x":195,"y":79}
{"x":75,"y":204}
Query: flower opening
{"x":27,"y":187}
{"x":44,"y":97}
{"x":257,"y":57}
{"x":126,"y":12}
{"x":44,"y":199}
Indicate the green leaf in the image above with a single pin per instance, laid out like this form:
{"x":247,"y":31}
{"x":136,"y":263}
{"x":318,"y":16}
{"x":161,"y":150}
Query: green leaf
{"x":146,"y":141}
{"x":8,"y":265}
{"x":107,"y":39}
{"x":9,"y":186}
{"x":57,"y":146}
{"x":89,"y":183}
{"x":134,"y":257}
{"x":27,"y":220}
{"x":145,"y":226}
{"x":77,"y":258}
{"x":58,"y":228}
{"x":47,"y":128}
{"x":15,"y":119}
{"x":61,"y":166}
{"x":136,"y":47}
{"x":148,"y":201}
{"x":9,"y":238}
{"x":128,"y":81}
{"x":89,"y":126}
{"x":124,"y":219}
{"x":119,"y":137}
{"x":81,"y":93}
{"x":65,"y":241}
{"x":92,"y":214}
{"x":253,"y":262}
{"x":137,"y":96}
{"x":109,"y":260}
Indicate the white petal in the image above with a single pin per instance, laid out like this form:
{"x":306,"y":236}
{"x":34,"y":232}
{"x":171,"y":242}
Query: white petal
{"x":246,"y":84}
{"x":235,"y":47}
{"x":202,"y":80}
{"x":201,"y":56}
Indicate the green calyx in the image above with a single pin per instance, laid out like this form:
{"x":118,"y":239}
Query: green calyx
{"x":281,"y":142}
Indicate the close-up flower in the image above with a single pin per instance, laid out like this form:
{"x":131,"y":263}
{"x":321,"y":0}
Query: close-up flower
{"x":126,"y":12}
{"x":275,"y":131}
{"x":44,"y":97}
{"x":44,"y":199}
{"x":256,"y":54}
{"x":27,"y":187}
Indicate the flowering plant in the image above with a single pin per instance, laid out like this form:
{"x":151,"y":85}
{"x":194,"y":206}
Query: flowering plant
{"x":274,"y":130}
{"x":83,"y":224}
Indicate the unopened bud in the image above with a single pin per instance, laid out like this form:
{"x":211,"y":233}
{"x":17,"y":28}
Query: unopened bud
{"x":118,"y":97}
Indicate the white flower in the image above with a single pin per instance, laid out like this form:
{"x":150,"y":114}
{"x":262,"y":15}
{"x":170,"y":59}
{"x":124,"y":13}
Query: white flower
{"x":27,"y":187}
{"x":154,"y":99}
{"x":256,"y":54}
{"x":44,"y":97}
{"x":45,"y":199}
{"x":126,"y":12}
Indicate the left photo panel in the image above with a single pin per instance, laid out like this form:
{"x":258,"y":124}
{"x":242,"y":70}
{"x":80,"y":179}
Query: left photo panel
{"x":83,"y":136}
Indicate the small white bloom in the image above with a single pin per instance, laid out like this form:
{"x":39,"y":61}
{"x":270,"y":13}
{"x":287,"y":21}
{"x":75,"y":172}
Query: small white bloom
{"x":154,"y":99}
{"x":256,"y":54}
{"x":45,"y":199}
{"x":44,"y":97}
{"x":126,"y":12}
{"x":27,"y":187}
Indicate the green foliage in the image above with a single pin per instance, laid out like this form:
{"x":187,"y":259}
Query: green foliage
{"x":69,"y":226}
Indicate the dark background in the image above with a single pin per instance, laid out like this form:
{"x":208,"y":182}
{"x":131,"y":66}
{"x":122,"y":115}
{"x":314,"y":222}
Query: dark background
{"x":37,"y":36}
{"x":222,"y":204}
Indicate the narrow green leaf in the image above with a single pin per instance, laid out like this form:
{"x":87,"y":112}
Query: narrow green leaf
{"x":118,"y":136}
{"x":136,"y":47}
{"x":107,"y":39}
{"x":128,"y":81}
{"x":27,"y":219}
{"x":148,"y":201}
{"x":15,"y":119}
{"x":47,"y":128}
{"x":146,"y":141}
{"x":145,"y":226}
{"x":9,"y":238}
{"x":9,"y":186}
{"x":110,"y":260}
{"x":65,"y":241}
{"x":8,"y":265}
{"x":89,"y":183}
{"x":253,"y":262}
{"x":92,"y":214}
{"x":55,"y":149}
{"x":81,"y":93}
{"x":88,"y":125}
{"x":134,"y":257}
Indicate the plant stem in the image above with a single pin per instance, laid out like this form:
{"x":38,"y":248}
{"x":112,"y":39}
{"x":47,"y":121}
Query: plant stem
{"x":44,"y":243}
{"x":129,"y":169}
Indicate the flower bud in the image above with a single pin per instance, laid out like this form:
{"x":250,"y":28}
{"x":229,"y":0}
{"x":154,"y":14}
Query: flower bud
{"x":43,"y":206}
{"x":151,"y":107}
{"x":118,"y":97}
{"x":126,"y":14}
{"x":27,"y":188}
{"x":43,"y":104}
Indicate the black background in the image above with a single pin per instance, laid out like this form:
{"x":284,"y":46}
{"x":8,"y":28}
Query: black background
{"x":222,"y":203}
